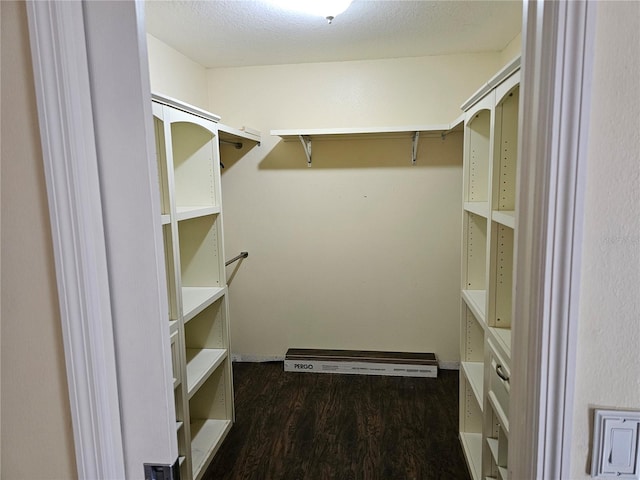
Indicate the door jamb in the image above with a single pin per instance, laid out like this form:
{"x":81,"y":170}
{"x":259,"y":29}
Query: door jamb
{"x":65,"y":115}
{"x":555,"y":107}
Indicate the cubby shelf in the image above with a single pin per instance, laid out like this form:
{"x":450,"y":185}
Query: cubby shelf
{"x":497,"y":409}
{"x":502,"y":474}
{"x":200,"y":364}
{"x":474,"y":261}
{"x":504,"y":217}
{"x":476,"y":300}
{"x":493,"y":448}
{"x":474,"y":371}
{"x":487,"y":282}
{"x":185,"y":213}
{"x":189,"y":157}
{"x":503,"y":337}
{"x":196,"y":299}
{"x":472,"y":447}
{"x":478,"y":208}
{"x":205,"y":441}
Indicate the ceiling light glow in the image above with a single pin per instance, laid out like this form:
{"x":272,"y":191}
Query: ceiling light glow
{"x":328,"y":9}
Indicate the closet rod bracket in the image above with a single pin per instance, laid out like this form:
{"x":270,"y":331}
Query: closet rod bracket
{"x":236,"y":258}
{"x":306,"y":145}
{"x":414,"y":152}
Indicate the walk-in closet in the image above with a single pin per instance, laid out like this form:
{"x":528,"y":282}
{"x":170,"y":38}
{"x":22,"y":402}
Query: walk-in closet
{"x":375,"y":198}
{"x":245,"y":241}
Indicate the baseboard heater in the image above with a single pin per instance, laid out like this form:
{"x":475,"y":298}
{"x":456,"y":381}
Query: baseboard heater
{"x":360,"y":362}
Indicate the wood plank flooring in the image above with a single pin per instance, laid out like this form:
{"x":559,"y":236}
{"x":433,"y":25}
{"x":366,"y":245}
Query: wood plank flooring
{"x":304,"y":426}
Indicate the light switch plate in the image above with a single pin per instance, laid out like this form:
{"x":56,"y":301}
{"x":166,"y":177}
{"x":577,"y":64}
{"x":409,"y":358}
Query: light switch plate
{"x":616,"y":452}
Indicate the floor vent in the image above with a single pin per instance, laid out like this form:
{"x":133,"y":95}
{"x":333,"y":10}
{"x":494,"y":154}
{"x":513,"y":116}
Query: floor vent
{"x":358,"y":362}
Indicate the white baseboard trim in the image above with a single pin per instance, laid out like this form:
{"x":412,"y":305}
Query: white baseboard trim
{"x":449,"y":365}
{"x":248,"y":357}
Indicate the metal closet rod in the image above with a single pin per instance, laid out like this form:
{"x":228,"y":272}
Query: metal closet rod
{"x":236,"y":258}
{"x":238,"y":145}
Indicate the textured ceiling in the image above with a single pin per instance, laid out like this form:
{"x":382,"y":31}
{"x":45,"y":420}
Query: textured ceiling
{"x":225,"y":33}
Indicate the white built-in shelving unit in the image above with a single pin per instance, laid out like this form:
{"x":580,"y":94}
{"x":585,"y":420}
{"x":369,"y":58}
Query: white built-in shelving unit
{"x":188,"y":145}
{"x":489,"y":225}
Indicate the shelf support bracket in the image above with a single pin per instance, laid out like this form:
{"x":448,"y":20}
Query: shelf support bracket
{"x":414,"y":152}
{"x":306,"y":145}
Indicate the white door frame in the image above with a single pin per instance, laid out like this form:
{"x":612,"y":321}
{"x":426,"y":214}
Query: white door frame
{"x":73,"y":188}
{"x":96,"y":128}
{"x":558,"y":39}
{"x":555,"y":105}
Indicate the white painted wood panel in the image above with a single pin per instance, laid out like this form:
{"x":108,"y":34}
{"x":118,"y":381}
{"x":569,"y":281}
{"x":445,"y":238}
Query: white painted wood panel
{"x":196,"y":299}
{"x":200,"y":364}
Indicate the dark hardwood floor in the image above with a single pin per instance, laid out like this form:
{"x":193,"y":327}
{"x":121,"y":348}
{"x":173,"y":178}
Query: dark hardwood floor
{"x":345,"y":427}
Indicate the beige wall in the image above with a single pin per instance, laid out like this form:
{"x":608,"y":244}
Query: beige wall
{"x":608,"y":363}
{"x":349,"y":94}
{"x":37,"y":439}
{"x":185,"y":79}
{"x":361,"y":251}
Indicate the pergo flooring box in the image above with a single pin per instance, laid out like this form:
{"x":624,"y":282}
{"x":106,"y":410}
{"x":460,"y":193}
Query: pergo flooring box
{"x":359,"y":362}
